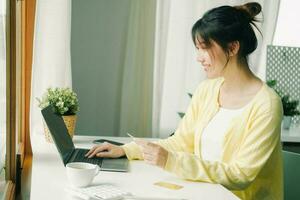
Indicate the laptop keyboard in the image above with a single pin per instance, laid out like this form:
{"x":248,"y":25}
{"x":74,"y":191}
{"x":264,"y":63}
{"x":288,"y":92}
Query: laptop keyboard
{"x":80,"y":157}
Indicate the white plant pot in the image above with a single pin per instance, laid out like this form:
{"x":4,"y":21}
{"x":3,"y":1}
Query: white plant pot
{"x":287,"y":120}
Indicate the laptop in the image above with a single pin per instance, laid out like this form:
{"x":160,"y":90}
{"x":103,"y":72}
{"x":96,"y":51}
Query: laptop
{"x":67,"y":150}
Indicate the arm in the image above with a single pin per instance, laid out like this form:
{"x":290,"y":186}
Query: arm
{"x":262,"y":137}
{"x":183,"y":139}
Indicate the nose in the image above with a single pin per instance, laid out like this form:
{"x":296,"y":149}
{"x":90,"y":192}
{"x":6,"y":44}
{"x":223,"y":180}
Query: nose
{"x":200,"y":57}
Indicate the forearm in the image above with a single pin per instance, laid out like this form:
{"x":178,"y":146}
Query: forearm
{"x":132,"y":151}
{"x":191,"y":167}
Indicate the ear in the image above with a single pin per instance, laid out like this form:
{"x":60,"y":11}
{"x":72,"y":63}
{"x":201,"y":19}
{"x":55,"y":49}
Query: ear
{"x":233,"y":48}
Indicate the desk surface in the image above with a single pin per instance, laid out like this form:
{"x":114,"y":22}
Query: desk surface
{"x":290,"y":135}
{"x":49,"y":177}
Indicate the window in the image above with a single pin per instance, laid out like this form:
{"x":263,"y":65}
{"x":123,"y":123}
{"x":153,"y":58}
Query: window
{"x":2,"y":94}
{"x":8,"y":97}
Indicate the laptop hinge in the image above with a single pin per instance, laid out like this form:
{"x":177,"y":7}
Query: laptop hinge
{"x":70,"y":155}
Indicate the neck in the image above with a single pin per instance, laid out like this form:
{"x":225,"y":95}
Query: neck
{"x":237,"y":76}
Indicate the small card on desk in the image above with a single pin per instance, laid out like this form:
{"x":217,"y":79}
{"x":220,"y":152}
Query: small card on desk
{"x":167,"y":185}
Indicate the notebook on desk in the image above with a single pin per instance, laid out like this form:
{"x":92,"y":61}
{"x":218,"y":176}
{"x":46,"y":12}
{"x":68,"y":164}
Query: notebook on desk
{"x":67,"y":150}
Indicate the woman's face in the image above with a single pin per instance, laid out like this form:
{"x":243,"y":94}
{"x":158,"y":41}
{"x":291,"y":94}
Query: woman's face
{"x":213,"y":59}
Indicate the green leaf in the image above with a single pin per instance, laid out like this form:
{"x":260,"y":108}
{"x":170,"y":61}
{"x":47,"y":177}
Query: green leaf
{"x":181,"y":114}
{"x":64,"y":100}
{"x":271,"y":83}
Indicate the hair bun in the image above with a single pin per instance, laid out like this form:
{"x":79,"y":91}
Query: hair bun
{"x":251,"y":9}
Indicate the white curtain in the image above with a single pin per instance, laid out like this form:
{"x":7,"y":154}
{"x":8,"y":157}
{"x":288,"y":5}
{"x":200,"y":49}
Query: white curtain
{"x":51,"y":59}
{"x":269,"y":15}
{"x":137,"y":83}
{"x":2,"y":84}
{"x":161,"y":35}
{"x":176,"y":69}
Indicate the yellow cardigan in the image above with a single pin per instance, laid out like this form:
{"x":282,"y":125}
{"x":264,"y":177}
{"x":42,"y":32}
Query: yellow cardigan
{"x":251,"y":163}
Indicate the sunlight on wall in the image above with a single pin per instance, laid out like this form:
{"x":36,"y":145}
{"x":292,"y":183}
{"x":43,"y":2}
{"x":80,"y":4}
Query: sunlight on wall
{"x":288,"y":27}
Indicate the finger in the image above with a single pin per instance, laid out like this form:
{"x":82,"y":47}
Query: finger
{"x":100,"y":148}
{"x":151,"y":162}
{"x":148,"y":157}
{"x":152,"y":158}
{"x":105,"y":154}
{"x":91,"y":150}
{"x":155,"y":148}
{"x":153,"y":145}
{"x":141,"y":142}
{"x":148,"y":151}
{"x":151,"y":150}
{"x":147,"y":145}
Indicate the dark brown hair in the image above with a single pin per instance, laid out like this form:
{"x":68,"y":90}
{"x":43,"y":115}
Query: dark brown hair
{"x":226,"y":24}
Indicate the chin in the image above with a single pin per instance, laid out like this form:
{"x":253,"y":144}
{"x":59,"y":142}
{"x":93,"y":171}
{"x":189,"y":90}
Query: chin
{"x":211,"y":76}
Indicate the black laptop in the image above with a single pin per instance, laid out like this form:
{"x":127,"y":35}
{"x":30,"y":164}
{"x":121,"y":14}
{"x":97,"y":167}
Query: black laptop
{"x":67,"y":150}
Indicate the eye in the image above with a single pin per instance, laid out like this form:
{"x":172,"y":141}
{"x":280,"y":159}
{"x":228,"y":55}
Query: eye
{"x":203,"y":46}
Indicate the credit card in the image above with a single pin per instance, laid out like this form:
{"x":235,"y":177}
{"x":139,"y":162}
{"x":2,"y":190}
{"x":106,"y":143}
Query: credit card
{"x":167,"y":185}
{"x":131,"y":136}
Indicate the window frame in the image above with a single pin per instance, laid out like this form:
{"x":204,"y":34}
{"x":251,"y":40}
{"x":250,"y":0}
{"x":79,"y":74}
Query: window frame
{"x":26,"y":16}
{"x":19,"y":44}
{"x":11,"y":100}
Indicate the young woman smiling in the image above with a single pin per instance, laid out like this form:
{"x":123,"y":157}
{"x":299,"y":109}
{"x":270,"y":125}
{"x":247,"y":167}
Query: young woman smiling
{"x":230,"y":134}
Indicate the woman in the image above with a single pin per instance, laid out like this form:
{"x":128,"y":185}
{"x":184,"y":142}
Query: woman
{"x":231,"y":132}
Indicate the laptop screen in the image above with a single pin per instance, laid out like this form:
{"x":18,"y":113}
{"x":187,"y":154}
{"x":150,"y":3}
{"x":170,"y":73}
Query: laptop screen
{"x":59,"y":132}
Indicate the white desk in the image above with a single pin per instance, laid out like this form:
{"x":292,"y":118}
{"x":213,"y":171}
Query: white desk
{"x":290,"y":135}
{"x":49,"y":176}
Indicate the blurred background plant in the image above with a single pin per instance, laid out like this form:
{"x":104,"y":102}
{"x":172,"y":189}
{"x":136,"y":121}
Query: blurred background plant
{"x":289,"y":105}
{"x":181,"y":114}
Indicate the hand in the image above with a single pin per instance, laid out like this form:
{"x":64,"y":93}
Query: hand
{"x":153,"y":153}
{"x":106,"y":150}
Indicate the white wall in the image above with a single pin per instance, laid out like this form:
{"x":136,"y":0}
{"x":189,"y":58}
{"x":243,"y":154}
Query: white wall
{"x":287,"y":31}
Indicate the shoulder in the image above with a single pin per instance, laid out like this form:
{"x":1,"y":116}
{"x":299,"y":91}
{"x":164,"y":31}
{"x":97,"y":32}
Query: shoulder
{"x":266,"y":110}
{"x":268,"y":101}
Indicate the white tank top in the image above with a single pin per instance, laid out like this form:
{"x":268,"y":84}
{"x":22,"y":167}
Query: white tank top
{"x":213,"y":135}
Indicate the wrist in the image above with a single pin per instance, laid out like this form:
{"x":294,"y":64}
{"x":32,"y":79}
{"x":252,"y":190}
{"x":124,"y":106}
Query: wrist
{"x":122,"y":152}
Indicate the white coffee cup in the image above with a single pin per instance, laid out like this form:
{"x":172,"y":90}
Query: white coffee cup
{"x":81,"y":174}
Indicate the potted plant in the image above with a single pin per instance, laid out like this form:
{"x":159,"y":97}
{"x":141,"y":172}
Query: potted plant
{"x":181,"y":114}
{"x":289,"y":105}
{"x":65,"y":103}
{"x":289,"y":110}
